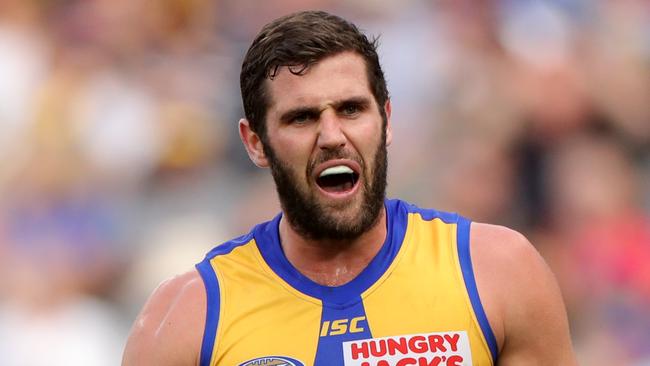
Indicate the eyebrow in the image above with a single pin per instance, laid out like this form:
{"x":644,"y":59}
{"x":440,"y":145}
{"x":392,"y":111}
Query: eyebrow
{"x":292,"y":113}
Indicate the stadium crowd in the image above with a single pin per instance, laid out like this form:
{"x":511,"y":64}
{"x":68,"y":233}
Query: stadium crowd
{"x":121,"y":163}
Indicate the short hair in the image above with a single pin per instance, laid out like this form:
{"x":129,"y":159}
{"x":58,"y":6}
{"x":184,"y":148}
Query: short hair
{"x":298,"y":41}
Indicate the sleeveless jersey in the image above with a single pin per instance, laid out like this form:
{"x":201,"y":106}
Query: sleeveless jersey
{"x":416,"y":303}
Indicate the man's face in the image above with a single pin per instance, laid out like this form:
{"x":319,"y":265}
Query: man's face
{"x":326,"y":145}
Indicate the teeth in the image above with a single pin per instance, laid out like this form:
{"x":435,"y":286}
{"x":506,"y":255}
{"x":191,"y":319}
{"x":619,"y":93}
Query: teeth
{"x":339,"y":169}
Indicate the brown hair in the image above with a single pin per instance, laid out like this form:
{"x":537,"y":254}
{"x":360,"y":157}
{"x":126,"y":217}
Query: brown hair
{"x":300,"y":40}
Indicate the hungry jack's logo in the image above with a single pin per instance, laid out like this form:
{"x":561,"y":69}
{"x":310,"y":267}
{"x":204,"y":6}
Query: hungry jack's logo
{"x":433,"y":349}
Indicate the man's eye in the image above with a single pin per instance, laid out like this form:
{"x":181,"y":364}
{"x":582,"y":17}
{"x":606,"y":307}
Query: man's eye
{"x":301,"y":118}
{"x":350,"y":110}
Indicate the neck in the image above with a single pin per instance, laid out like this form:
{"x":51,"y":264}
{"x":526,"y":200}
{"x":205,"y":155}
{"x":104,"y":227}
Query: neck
{"x":332,"y":262}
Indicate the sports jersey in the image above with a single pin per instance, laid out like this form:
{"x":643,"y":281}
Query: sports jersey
{"x":416,"y":302}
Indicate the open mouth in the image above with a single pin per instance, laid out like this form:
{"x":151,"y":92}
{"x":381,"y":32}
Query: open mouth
{"x":337,"y":179}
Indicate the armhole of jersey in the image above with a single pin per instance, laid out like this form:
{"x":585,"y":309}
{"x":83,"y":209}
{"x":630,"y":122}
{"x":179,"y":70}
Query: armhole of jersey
{"x":211,"y":310}
{"x":465,"y":259}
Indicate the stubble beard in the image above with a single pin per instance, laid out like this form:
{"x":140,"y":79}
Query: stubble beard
{"x":310,"y":219}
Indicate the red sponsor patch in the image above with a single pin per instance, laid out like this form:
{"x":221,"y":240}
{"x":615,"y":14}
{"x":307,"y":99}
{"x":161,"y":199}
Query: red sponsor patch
{"x":433,"y":349}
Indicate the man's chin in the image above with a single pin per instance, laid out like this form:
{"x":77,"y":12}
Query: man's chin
{"x":332,"y":221}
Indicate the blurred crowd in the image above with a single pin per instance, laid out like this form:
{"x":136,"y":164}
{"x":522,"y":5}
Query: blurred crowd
{"x":121,"y":162}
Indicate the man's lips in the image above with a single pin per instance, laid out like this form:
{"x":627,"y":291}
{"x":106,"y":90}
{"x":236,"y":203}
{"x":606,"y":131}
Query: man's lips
{"x":337,"y":177}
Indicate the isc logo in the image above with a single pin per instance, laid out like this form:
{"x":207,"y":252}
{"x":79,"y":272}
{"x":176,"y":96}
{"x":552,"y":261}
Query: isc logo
{"x":342,"y":326}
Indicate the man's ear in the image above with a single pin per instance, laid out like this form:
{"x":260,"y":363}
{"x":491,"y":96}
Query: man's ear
{"x":389,"y":128}
{"x":253,"y":144}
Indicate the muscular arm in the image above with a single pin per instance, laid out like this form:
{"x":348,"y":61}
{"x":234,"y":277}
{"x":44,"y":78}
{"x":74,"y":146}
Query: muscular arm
{"x":169,"y":329}
{"x":521,"y":298}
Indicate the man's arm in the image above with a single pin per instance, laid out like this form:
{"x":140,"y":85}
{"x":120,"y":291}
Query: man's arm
{"x":521,"y":298}
{"x":169,"y":329}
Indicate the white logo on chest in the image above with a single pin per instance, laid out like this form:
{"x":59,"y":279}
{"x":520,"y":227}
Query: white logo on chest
{"x":432,"y":349}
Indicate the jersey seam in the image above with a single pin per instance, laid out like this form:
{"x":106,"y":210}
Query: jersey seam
{"x":467,"y":296}
{"x":222,"y":312}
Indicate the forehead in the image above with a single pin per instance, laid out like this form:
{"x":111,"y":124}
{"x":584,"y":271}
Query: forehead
{"x":331,"y":79}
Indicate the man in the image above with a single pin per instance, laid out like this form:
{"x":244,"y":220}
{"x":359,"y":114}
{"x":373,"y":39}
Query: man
{"x":343,"y":276}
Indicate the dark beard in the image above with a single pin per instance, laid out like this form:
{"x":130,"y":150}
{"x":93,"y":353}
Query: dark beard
{"x":309,"y":219}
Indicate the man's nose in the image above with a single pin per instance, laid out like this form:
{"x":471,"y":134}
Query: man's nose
{"x":330,"y":133}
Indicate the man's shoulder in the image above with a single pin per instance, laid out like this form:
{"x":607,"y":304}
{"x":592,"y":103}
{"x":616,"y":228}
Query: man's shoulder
{"x":509,"y":257}
{"x":519,"y":293}
{"x":185,"y":289}
{"x":169,"y":328}
{"x":500,"y":240}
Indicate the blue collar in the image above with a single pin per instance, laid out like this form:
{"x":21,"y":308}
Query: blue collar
{"x":267,"y":238}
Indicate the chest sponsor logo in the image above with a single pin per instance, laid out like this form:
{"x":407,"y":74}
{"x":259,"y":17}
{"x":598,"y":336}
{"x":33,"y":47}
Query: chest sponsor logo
{"x":273,"y":361}
{"x":433,"y":349}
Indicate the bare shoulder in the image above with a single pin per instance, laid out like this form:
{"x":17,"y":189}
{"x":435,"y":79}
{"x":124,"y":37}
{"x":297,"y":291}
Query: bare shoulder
{"x":521,"y":298}
{"x":169,"y":329}
{"x":499,"y":252}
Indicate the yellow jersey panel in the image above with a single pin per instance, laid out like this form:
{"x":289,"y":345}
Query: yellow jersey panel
{"x":415,"y":303}
{"x":252,"y":303}
{"x":422,"y":267}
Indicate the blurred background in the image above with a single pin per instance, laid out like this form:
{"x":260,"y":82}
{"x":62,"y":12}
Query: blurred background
{"x":121,"y":163}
